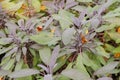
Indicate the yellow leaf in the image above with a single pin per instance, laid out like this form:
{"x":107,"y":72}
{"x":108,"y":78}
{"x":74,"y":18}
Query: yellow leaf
{"x":36,"y":4}
{"x":43,"y":8}
{"x":53,"y":30}
{"x":11,"y":6}
{"x":86,"y":32}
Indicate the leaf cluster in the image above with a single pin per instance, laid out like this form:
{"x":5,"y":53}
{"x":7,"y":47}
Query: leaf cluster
{"x":60,"y":39}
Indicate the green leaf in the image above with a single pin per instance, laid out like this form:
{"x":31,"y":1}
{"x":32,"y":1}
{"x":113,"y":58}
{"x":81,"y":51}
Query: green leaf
{"x":36,"y":57}
{"x":17,"y":6}
{"x":75,"y":74}
{"x":70,"y":65}
{"x":111,"y":14}
{"x":5,"y":60}
{"x":79,"y":8}
{"x":115,"y":36}
{"x":9,"y":64}
{"x":5,"y":49}
{"x":60,"y":63}
{"x":19,"y":15}
{"x":64,"y":17}
{"x":36,"y":4}
{"x":4,"y":41}
{"x":109,"y":47}
{"x":80,"y":66}
{"x":62,"y":78}
{"x":45,"y":54}
{"x":45,"y":38}
{"x":114,"y":20}
{"x":116,"y":50}
{"x":42,"y":38}
{"x":101,"y":51}
{"x":101,"y":59}
{"x":118,"y":41}
{"x":18,"y":55}
{"x":67,"y":35}
{"x":54,"y":41}
{"x":4,"y":72}
{"x":91,"y":62}
{"x":23,"y":73}
{"x":115,"y":71}
{"x":12,"y":51}
{"x":85,"y":59}
{"x":84,"y":0}
{"x":105,"y":27}
{"x":2,"y":51}
{"x":19,"y":65}
{"x":25,"y":78}
{"x":106,"y":69}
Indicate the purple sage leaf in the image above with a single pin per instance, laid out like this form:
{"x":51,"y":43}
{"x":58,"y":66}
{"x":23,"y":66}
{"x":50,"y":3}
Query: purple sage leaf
{"x":54,"y":57}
